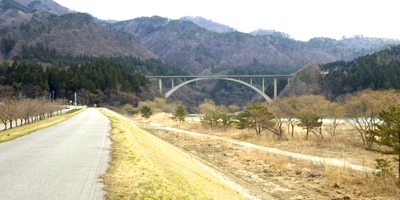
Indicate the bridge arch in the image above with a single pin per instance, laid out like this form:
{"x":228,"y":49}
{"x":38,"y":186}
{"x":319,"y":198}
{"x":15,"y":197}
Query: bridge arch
{"x":266,"y":97}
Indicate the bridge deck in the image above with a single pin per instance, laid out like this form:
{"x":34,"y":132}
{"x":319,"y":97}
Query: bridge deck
{"x":226,"y":76}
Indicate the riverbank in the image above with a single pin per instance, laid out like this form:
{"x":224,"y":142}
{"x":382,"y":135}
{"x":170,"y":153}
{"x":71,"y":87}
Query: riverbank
{"x":297,"y":177}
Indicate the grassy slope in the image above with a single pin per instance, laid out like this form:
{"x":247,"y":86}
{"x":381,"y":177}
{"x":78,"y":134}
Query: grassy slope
{"x":26,"y":129}
{"x":146,"y":167}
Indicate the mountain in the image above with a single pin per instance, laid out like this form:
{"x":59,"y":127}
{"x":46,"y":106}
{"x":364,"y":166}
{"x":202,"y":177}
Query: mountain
{"x":208,"y":24}
{"x":380,"y":70}
{"x":45,"y":5}
{"x":193,"y":48}
{"x":262,"y":32}
{"x":70,"y":34}
{"x":358,"y":42}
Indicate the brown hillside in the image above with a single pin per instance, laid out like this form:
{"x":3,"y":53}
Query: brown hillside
{"x":45,"y":5}
{"x":73,"y":34}
{"x":193,"y":48}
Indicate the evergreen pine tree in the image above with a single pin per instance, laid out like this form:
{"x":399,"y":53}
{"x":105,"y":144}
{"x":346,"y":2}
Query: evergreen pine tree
{"x":146,"y":112}
{"x":388,"y":133}
{"x":179,"y":114}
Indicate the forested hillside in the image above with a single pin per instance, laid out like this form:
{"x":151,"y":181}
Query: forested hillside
{"x":45,"y":5}
{"x":152,"y":66}
{"x":73,"y":53}
{"x":113,"y":81}
{"x":101,"y":80}
{"x":363,"y":44}
{"x":93,"y":76}
{"x":208,"y":24}
{"x":262,"y":32}
{"x":93,"y":81}
{"x":70,"y":34}
{"x":335,"y":80}
{"x":380,"y":70}
{"x":188,"y":46}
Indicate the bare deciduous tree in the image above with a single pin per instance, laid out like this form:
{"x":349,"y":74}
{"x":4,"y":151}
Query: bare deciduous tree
{"x":26,"y":110}
{"x":335,"y":111}
{"x":292,"y":106}
{"x":278,"y":108}
{"x":363,"y":108}
{"x":318,"y":104}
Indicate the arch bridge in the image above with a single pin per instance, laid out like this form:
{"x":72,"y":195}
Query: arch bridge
{"x":234,"y":78}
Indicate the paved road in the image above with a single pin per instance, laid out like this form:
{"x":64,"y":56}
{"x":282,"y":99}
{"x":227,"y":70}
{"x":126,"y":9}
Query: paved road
{"x":60,"y":162}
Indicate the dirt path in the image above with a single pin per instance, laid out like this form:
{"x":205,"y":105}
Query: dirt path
{"x":314,"y":159}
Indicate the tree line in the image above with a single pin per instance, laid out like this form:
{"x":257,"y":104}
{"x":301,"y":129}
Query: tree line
{"x":27,"y":110}
{"x":45,"y":54}
{"x":283,"y":115}
{"x":98,"y":75}
{"x":113,"y":81}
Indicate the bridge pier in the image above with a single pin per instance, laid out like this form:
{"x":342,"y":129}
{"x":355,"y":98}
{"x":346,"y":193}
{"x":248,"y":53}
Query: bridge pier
{"x":251,"y":81}
{"x":263,"y":85}
{"x":172,"y":83}
{"x":160,"y":85}
{"x":275,"y":88}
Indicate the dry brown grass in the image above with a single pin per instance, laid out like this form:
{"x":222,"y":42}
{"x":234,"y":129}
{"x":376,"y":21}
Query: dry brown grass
{"x":346,"y":144}
{"x":26,"y":129}
{"x":146,"y":167}
{"x":360,"y":184}
{"x":363,"y":184}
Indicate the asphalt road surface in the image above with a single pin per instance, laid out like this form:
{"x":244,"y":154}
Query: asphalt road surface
{"x":60,"y":162}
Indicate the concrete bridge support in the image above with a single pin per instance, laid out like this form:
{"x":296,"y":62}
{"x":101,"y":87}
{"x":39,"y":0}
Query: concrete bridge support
{"x":275,"y":88}
{"x":160,"y":85}
{"x":266,"y":97}
{"x":226,"y":77}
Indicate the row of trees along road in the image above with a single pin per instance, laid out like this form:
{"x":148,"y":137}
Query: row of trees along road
{"x":374,"y":115}
{"x":26,"y":110}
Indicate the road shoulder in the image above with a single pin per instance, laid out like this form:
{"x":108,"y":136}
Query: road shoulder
{"x":144,"y":166}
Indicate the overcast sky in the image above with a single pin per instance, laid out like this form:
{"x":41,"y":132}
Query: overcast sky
{"x":302,"y":19}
